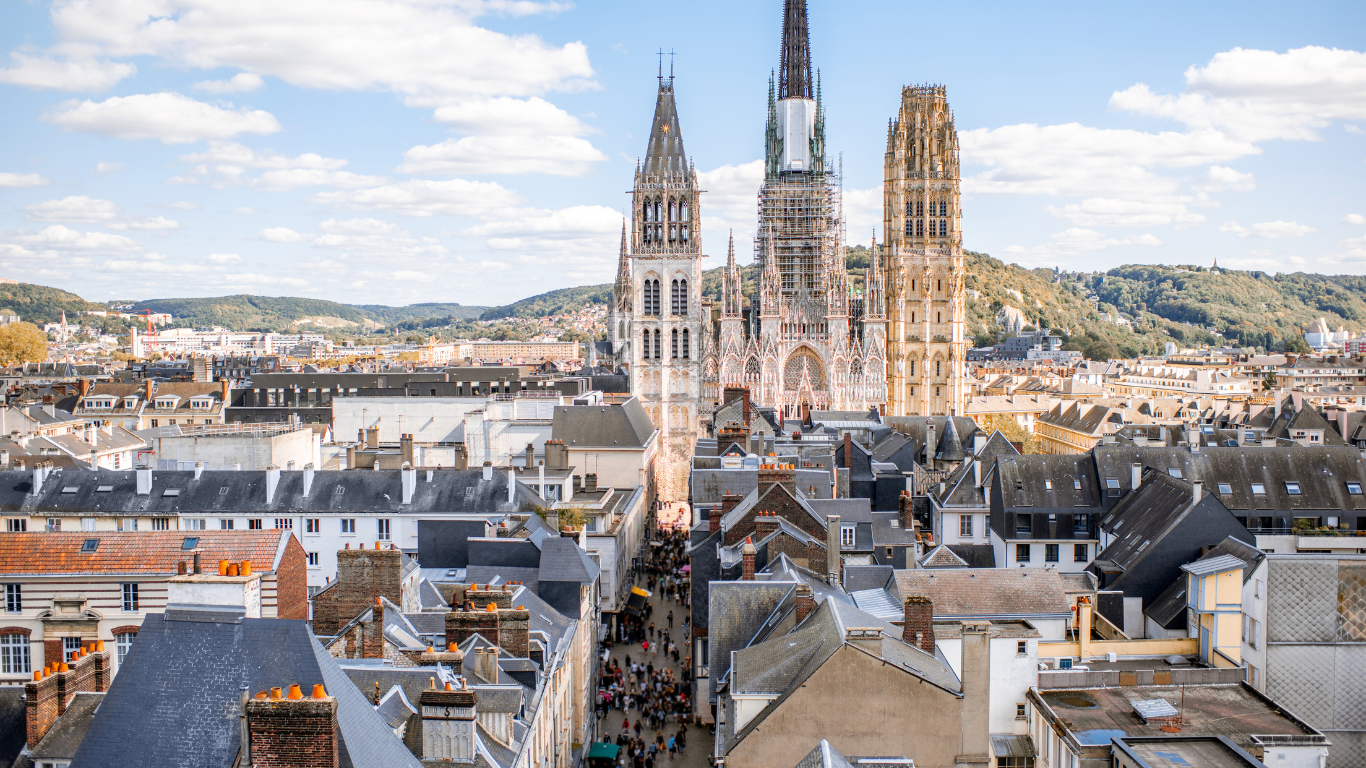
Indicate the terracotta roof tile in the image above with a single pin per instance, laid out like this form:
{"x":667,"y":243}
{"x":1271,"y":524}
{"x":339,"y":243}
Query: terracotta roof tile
{"x":134,"y":552}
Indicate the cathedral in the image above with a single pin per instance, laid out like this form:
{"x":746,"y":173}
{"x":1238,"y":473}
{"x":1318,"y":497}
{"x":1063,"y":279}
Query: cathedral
{"x":806,"y":343}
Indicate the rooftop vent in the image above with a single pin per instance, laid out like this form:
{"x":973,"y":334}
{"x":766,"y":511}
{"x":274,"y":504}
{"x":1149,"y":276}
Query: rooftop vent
{"x":1155,"y":709}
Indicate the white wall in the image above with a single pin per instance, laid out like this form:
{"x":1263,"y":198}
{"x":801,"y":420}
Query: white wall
{"x":1012,"y":675}
{"x":427,"y":419}
{"x":290,"y":450}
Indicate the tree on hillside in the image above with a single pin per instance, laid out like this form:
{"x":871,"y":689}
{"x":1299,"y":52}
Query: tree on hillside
{"x":22,"y":343}
{"x":1297,"y":345}
{"x":1103,"y":349}
{"x":1011,"y":429}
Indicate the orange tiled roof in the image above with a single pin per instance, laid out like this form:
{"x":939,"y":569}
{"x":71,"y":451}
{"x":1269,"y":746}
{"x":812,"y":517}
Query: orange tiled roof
{"x":134,"y":552}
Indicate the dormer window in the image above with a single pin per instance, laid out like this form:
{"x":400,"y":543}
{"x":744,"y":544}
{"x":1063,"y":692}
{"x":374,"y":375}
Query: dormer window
{"x":201,"y":403}
{"x":167,"y":402}
{"x":99,"y":402}
{"x":130,"y":402}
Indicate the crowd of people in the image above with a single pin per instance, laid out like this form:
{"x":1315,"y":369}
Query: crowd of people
{"x":649,"y":688}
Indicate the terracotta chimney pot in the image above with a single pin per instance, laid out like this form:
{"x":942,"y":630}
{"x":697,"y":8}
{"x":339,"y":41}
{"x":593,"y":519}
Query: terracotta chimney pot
{"x":318,"y":691}
{"x":294,"y":693}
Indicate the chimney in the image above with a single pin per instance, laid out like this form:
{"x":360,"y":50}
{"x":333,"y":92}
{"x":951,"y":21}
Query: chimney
{"x":744,"y":413}
{"x":272,"y":482}
{"x":930,"y":443}
{"x":747,"y":553}
{"x":372,"y":437}
{"x":464,"y":622}
{"x":1197,"y":491}
{"x":405,"y":447}
{"x":488,"y":470}
{"x":226,"y":392}
{"x":198,"y":469}
{"x":556,"y":454}
{"x":977,"y":472}
{"x":362,"y":575}
{"x":917,"y":628}
{"x":779,"y":474}
{"x":832,"y":549}
{"x":408,"y":477}
{"x":848,"y":451}
{"x":806,"y":603}
{"x":147,"y":389}
{"x":237,"y":592}
{"x":308,"y":478}
{"x":728,"y":502}
{"x":372,"y":637}
{"x":975,"y":674}
{"x":292,"y":730}
{"x":979,"y":441}
{"x":1135,"y":476}
{"x":448,"y":723}
{"x":38,"y":476}
{"x":514,"y":631}
{"x":351,"y":456}
{"x":530,"y":455}
{"x":906,"y":507}
{"x":144,"y":482}
{"x":590,"y":482}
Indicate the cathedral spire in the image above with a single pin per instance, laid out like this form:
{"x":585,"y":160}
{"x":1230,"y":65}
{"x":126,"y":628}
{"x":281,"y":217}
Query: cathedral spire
{"x":730,"y":300}
{"x":623,"y":288}
{"x":770,"y":288}
{"x":873,"y":298}
{"x":665,"y":155}
{"x":795,"y":71}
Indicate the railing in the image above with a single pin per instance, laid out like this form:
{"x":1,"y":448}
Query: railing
{"x":233,"y":428}
{"x":1110,"y":678}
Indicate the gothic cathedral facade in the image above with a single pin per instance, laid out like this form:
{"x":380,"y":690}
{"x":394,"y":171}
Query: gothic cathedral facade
{"x":922,"y":222}
{"x":656,"y":321}
{"x":807,"y":343}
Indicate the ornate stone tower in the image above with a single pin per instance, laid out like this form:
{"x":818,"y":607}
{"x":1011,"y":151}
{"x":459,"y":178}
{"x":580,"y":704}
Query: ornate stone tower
{"x":922,"y":225}
{"x":657,"y":302}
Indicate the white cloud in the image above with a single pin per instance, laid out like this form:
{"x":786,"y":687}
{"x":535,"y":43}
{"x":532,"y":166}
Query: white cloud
{"x":592,"y":220}
{"x":555,"y":155}
{"x":430,"y":51}
{"x":580,"y":243}
{"x":371,"y":237}
{"x":103,"y":167}
{"x":1074,"y":159}
{"x":1075,"y":241}
{"x":149,"y":223}
{"x":359,"y":227}
{"x":1220,"y":178}
{"x":223,"y":258}
{"x":1254,"y":95}
{"x":863,"y":212}
{"x":424,"y":197}
{"x":1353,"y":218}
{"x":23,"y":180}
{"x":242,"y":82}
{"x":225,"y":163}
{"x":281,"y":235}
{"x":77,"y":208}
{"x":83,"y":75}
{"x":168,"y":117}
{"x":58,"y":239}
{"x":730,"y":205}
{"x":183,"y":205}
{"x":505,"y":115}
{"x":1267,"y":229}
{"x":246,"y":210}
{"x":1356,"y":246}
{"x":1111,"y":212}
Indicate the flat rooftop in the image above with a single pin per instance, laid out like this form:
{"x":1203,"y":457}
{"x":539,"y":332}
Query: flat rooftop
{"x":1096,"y":715}
{"x":1183,"y":752}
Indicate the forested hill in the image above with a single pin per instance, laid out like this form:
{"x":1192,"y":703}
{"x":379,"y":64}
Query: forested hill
{"x":40,"y":304}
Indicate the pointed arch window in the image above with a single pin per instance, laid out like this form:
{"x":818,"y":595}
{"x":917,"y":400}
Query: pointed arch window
{"x":673,"y":298}
{"x":683,"y":210}
{"x":645,"y":344}
{"x":673,"y":348}
{"x":683,"y":297}
{"x":686,"y":351}
{"x":658,"y":351}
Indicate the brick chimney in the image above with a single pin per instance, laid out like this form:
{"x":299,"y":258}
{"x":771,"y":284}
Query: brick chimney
{"x":806,"y":602}
{"x":747,"y":553}
{"x":848,"y":451}
{"x":362,"y":576}
{"x":778,"y":474}
{"x":372,"y":641}
{"x":918,"y":627}
{"x":448,"y":717}
{"x":905,"y":508}
{"x":744,"y":411}
{"x":590,"y":482}
{"x":832,"y":549}
{"x":514,"y":631}
{"x":482,"y":621}
{"x":764,"y":524}
{"x":728,"y":502}
{"x":289,"y":730}
{"x":499,"y":595}
{"x":51,"y":690}
{"x":556,"y":455}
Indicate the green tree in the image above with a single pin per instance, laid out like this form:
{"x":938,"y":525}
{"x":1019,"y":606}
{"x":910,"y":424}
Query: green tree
{"x":1269,"y":383}
{"x":22,"y":343}
{"x":1102,"y":350}
{"x":1011,"y":430}
{"x":1297,"y":345}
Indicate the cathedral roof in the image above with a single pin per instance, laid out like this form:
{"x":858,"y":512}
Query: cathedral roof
{"x":665,"y":155}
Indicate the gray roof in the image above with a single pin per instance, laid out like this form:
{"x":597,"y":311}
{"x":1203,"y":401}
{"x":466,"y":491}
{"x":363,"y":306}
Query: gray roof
{"x":13,"y":722}
{"x":166,"y":705}
{"x":65,"y":736}
{"x":1146,"y":516}
{"x":1248,"y":554}
{"x":1212,"y":565}
{"x":1169,"y":609}
{"x":861,"y":577}
{"x":664,"y":156}
{"x":227,"y":492}
{"x":395,"y":708}
{"x":611,"y":426}
{"x":942,"y":557}
{"x":737,"y":610}
{"x":885,"y":534}
{"x":1044,"y":482}
{"x":986,"y":592}
{"x":501,"y":574}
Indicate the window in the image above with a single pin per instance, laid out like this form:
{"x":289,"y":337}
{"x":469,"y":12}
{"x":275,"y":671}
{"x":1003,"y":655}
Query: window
{"x":14,"y":658}
{"x":16,"y":525}
{"x":1048,"y":485}
{"x":123,"y":643}
{"x":1258,"y":488}
{"x":686,"y":345}
{"x":225,"y":524}
{"x":196,"y":524}
{"x":1021,"y":649}
{"x":14,"y":598}
{"x":161,"y":523}
{"x":1257,"y":588}
{"x":645,"y":344}
{"x":154,"y":423}
{"x":659,"y":349}
{"x":674,"y":348}
{"x":1079,"y":553}
{"x":1050,"y":553}
{"x":87,"y":524}
{"x":1225,"y":488}
{"x":1354,"y":489}
{"x":846,"y":536}
{"x":70,"y":647}
{"x":254,"y":524}
{"x":1081,"y":525}
{"x":312,"y":525}
{"x":128,"y":524}
{"x":1292,"y":488}
{"x":1175,"y":472}
{"x":90,"y":545}
{"x":54,"y":524}
{"x":965,"y":526}
{"x":1021,"y":553}
{"x":313,"y":559}
{"x":284,"y":523}
{"x":1022,"y":525}
{"x":130,"y":597}
{"x":1112,"y":485}
{"x":348,"y":526}
{"x":1019,"y":712}
{"x":382,"y":529}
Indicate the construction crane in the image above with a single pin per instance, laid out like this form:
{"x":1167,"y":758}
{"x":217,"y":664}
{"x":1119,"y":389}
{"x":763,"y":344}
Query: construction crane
{"x":147,"y":314}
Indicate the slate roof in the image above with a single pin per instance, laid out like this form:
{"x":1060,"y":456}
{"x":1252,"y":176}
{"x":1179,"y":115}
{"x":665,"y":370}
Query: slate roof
{"x":1208,"y":566}
{"x":1169,"y":609}
{"x":961,"y":489}
{"x":1048,"y":481}
{"x":65,"y":736}
{"x":942,"y":557}
{"x":151,"y":552}
{"x":166,"y":706}
{"x":737,"y":610}
{"x":706,"y":568}
{"x":1144,"y":517}
{"x":976,"y":555}
{"x":960,"y":593}
{"x":1250,"y":556}
{"x":13,"y":722}
{"x":612,"y":426}
{"x":884,"y":534}
{"x":708,"y":485}
{"x":218,"y":492}
{"x":500,"y":574}
{"x":861,"y":577}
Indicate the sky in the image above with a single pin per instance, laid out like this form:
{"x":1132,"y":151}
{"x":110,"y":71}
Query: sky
{"x":480,"y":151}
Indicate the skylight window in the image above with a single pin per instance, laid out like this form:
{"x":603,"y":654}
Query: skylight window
{"x":1048,"y":485}
{"x":190,"y":542}
{"x":71,"y":489}
{"x":1258,"y":488}
{"x":1354,"y":489}
{"x":1076,"y":485}
{"x":104,"y":488}
{"x":1112,"y":482}
{"x":1175,"y":472}
{"x":90,"y":545}
{"x":1292,"y":488}
{"x":171,"y":492}
{"x":1225,"y":488}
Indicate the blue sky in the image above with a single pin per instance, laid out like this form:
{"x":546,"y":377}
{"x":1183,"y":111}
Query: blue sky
{"x":393,"y":151}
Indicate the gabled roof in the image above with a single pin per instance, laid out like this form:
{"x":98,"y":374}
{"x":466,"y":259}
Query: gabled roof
{"x":626,"y":425}
{"x":1250,"y":556}
{"x":1209,"y":566}
{"x":737,"y":610}
{"x":942,"y":557}
{"x":166,"y":706}
{"x":1169,"y":609}
{"x":64,"y":737}
{"x":986,"y":592}
{"x":961,"y":487}
{"x":1048,"y":481}
{"x":141,"y":552}
{"x":1145,"y":517}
